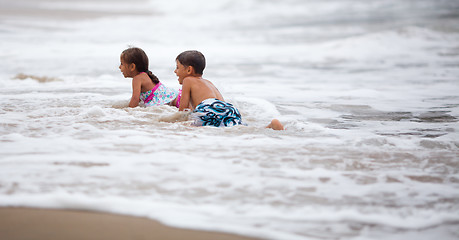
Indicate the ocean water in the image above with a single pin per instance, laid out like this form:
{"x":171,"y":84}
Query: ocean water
{"x":368,"y":92}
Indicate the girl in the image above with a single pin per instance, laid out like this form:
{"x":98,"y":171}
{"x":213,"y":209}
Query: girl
{"x":146,"y":87}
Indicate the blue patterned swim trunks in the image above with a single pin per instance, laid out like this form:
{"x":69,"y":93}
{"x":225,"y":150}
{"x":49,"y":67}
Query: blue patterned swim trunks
{"x":214,"y":112}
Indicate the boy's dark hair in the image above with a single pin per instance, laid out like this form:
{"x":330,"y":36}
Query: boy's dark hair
{"x":139,"y":58}
{"x":193,"y":58}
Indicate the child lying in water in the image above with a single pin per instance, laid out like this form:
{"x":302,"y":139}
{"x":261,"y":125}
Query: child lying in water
{"x":146,"y":87}
{"x":210,"y":109}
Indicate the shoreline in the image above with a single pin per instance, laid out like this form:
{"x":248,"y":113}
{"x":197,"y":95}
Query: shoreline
{"x":43,"y":224}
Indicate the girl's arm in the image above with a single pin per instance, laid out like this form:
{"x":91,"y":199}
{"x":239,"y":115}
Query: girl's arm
{"x":186,"y":94}
{"x":136,"y":87}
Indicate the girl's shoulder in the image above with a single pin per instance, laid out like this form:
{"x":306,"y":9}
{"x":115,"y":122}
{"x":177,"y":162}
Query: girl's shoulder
{"x":141,"y":75}
{"x":145,"y":81}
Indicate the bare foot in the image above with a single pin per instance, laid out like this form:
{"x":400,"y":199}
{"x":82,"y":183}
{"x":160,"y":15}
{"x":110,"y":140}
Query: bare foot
{"x":276,"y":125}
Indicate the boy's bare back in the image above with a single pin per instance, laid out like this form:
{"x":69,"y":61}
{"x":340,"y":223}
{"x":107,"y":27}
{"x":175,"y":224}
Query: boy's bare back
{"x":197,"y":89}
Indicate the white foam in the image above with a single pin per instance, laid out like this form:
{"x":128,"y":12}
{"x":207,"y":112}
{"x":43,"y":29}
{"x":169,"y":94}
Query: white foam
{"x":94,"y":112}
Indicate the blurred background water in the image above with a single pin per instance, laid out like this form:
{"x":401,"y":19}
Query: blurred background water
{"x":367,"y":90}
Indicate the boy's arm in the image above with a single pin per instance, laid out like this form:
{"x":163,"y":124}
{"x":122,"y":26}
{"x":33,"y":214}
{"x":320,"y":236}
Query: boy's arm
{"x":136,"y":87}
{"x":186,"y":94}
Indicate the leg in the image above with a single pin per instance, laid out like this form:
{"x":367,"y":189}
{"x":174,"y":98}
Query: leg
{"x":276,"y":125}
{"x":173,"y":103}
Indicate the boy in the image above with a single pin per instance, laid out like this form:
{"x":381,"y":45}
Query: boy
{"x":210,"y":109}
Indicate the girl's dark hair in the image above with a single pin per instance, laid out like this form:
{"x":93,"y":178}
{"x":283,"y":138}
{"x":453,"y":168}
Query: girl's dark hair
{"x":140,"y":59}
{"x":193,"y":58}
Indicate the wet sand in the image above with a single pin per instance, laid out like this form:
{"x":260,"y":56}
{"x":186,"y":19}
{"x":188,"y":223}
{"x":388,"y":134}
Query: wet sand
{"x":38,"y":224}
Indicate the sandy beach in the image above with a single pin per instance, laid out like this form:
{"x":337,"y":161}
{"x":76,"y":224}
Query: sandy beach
{"x":37,"y":224}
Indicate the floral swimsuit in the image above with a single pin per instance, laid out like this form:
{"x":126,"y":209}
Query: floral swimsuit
{"x":160,"y":95}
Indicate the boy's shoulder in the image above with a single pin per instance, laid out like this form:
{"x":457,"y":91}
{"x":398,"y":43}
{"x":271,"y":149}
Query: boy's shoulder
{"x":192,"y":79}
